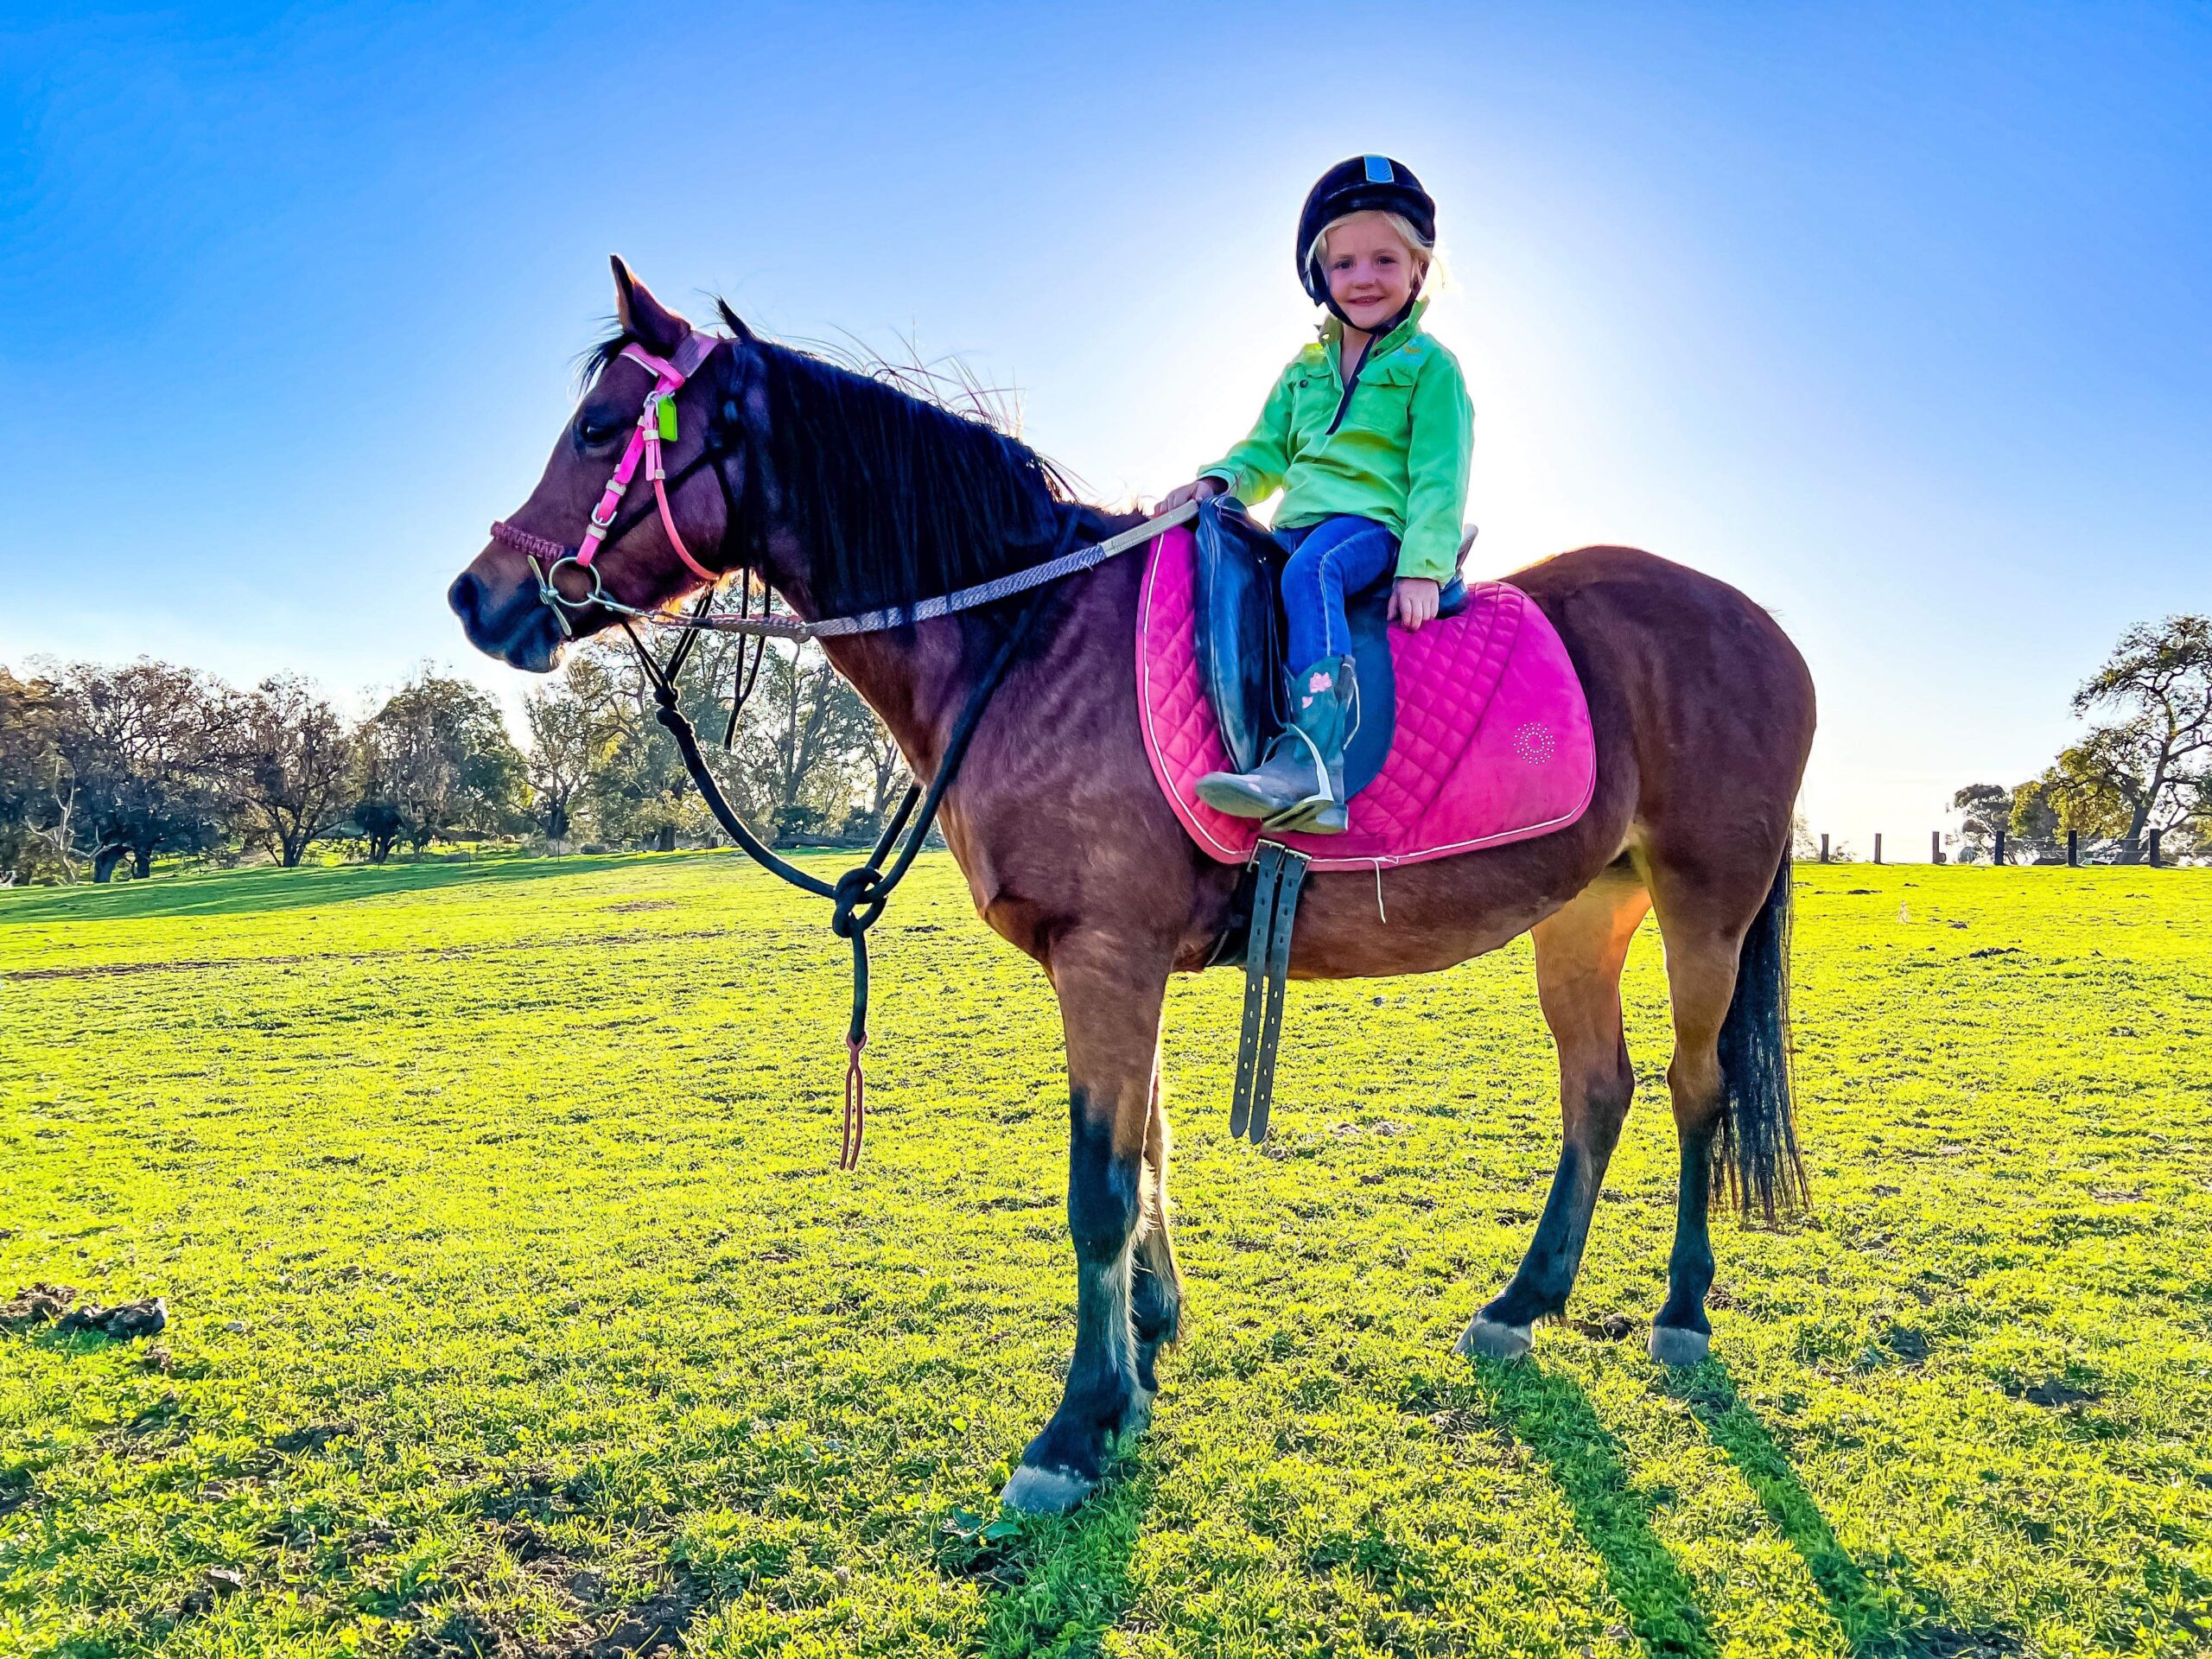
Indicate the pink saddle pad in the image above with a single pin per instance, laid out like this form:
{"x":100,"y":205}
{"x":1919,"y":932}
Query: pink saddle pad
{"x":1492,"y":746}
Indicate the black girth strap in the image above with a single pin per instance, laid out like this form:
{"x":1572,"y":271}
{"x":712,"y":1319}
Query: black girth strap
{"x":1278,"y":874}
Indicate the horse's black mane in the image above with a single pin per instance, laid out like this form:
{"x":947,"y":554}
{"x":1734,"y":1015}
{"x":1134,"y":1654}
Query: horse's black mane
{"x":895,"y":496}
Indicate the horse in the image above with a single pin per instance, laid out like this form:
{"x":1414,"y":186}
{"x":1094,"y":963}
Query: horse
{"x":841,"y":492}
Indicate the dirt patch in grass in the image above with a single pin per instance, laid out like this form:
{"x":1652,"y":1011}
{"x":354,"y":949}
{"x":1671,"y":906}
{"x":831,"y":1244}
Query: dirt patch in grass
{"x":125,"y":1322}
{"x":41,"y":1304}
{"x":35,"y":1304}
{"x":2053,"y":1394}
{"x":638,"y":1629}
{"x":312,"y":1438}
{"x":1613,"y":1327}
{"x":1943,"y":1642}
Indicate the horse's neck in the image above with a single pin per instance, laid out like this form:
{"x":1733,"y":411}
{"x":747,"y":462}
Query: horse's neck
{"x":916,"y":682}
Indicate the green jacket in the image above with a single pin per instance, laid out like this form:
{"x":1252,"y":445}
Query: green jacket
{"x":1399,"y":455}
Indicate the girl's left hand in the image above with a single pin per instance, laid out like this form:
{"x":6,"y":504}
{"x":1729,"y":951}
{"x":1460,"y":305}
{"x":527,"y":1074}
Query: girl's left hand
{"x":1413,"y":602}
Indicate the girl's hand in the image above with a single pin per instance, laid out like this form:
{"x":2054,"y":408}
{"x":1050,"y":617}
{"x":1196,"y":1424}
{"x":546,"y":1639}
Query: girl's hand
{"x":1198,"y":489}
{"x":1413,"y":602}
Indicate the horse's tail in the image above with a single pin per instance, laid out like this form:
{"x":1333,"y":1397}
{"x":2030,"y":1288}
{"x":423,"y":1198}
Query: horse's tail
{"x":1756,"y":1152}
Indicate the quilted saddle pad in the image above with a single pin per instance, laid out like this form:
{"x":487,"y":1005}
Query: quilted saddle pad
{"x":1493,"y":742}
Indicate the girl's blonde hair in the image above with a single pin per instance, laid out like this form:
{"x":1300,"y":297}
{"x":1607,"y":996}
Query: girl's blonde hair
{"x":1422,"y":248}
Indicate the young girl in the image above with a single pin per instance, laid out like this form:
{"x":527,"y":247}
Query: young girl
{"x":1367,"y":434}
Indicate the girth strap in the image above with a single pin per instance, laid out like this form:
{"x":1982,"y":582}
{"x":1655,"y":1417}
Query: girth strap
{"x":1279,"y":872}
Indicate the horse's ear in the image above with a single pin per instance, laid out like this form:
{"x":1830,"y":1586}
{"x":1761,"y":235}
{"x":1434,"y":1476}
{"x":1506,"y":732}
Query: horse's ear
{"x":644,"y":318}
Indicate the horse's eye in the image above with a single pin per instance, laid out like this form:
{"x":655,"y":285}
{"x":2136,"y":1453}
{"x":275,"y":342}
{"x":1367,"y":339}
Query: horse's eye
{"x":596,"y":427}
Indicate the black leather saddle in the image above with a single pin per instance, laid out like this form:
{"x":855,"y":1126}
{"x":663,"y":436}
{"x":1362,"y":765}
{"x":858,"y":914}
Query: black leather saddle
{"x":1240,"y":644}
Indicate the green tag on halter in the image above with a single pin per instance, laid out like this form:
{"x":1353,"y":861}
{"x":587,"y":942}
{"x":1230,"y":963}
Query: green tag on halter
{"x":667,"y":420}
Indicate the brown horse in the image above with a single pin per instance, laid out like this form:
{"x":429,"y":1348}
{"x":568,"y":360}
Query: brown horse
{"x":842,"y":493}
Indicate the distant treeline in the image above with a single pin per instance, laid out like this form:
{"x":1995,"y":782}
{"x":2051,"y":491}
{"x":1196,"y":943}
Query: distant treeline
{"x":2142,"y":769}
{"x":2144,"y":766}
{"x":105,"y":769}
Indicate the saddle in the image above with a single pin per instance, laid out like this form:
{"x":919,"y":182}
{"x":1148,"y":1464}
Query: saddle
{"x":1240,"y":633}
{"x":1472,"y":734}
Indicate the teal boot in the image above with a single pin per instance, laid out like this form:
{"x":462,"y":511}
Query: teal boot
{"x":1301,"y":782}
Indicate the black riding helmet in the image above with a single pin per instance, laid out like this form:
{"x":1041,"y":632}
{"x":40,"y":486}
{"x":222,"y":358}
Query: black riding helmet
{"x":1362,"y":184}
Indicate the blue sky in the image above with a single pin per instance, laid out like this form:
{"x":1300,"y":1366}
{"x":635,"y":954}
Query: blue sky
{"x":1898,"y":318}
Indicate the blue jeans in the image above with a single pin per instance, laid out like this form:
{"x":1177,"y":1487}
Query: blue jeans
{"x":1336,"y":556}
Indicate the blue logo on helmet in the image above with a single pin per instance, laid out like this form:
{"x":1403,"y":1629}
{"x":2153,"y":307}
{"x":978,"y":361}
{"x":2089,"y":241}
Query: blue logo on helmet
{"x":1378,"y":169}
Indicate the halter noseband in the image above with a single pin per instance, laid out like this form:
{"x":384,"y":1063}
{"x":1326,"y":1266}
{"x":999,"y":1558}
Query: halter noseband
{"x":656,"y":424}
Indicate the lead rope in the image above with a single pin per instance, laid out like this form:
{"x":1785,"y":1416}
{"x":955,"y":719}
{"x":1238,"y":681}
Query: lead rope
{"x":860,"y":894}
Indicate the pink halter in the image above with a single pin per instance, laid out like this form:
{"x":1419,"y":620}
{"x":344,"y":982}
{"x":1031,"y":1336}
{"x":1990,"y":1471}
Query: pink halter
{"x":656,"y":421}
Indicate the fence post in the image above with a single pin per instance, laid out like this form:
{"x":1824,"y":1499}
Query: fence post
{"x":2154,"y":849}
{"x":1824,"y":849}
{"x":1997,"y":856}
{"x":2073,"y":848}
{"x":1878,"y":846}
{"x":1934,"y":846}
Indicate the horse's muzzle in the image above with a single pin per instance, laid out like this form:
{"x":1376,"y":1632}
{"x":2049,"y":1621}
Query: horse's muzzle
{"x":513,"y":626}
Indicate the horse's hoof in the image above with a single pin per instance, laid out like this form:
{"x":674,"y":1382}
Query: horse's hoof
{"x":1045,"y":1492}
{"x":1676,"y":1345}
{"x":1486,"y":1340}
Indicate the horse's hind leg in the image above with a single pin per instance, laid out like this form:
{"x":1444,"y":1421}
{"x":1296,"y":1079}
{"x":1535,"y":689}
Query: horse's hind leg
{"x":1111,"y":990}
{"x":1156,"y":1287}
{"x":1706,"y":922}
{"x":1579,"y":950}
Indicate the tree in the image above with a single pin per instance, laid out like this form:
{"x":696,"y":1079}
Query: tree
{"x":1985,"y":812}
{"x":2034,"y":822}
{"x":435,"y":759}
{"x":145,"y":742}
{"x":573,"y":729}
{"x":808,"y":755}
{"x":808,"y":738}
{"x":2147,"y":767}
{"x":291,"y":758}
{"x":32,"y":770}
{"x":379,"y":815}
{"x":885,"y":776}
{"x":640,"y":793}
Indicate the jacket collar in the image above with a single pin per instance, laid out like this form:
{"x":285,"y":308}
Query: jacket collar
{"x":1332,"y":338}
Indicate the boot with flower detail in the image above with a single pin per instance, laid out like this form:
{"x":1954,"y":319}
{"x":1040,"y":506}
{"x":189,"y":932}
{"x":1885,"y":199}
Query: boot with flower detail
{"x":1301,"y":784}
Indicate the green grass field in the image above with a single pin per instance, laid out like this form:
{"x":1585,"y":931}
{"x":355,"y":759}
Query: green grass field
{"x":517,"y":1305}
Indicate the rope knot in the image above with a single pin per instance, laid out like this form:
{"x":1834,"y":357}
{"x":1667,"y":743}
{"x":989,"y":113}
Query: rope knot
{"x":860,"y":898}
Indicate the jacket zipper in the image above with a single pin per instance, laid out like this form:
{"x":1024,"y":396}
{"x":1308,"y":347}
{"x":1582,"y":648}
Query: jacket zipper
{"x":1351,"y":383}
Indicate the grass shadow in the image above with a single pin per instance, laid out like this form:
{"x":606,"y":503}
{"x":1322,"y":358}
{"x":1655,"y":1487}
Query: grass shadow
{"x":1874,"y":1625}
{"x":244,"y":892}
{"x":1552,"y":1417}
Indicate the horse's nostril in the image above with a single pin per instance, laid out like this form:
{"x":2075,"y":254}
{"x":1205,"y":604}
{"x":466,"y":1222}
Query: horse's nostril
{"x":464,"y":596}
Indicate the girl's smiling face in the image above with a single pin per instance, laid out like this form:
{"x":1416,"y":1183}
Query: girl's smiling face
{"x":1370,"y":269}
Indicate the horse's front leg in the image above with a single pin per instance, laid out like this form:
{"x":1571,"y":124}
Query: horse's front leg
{"x":1110,"y":991}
